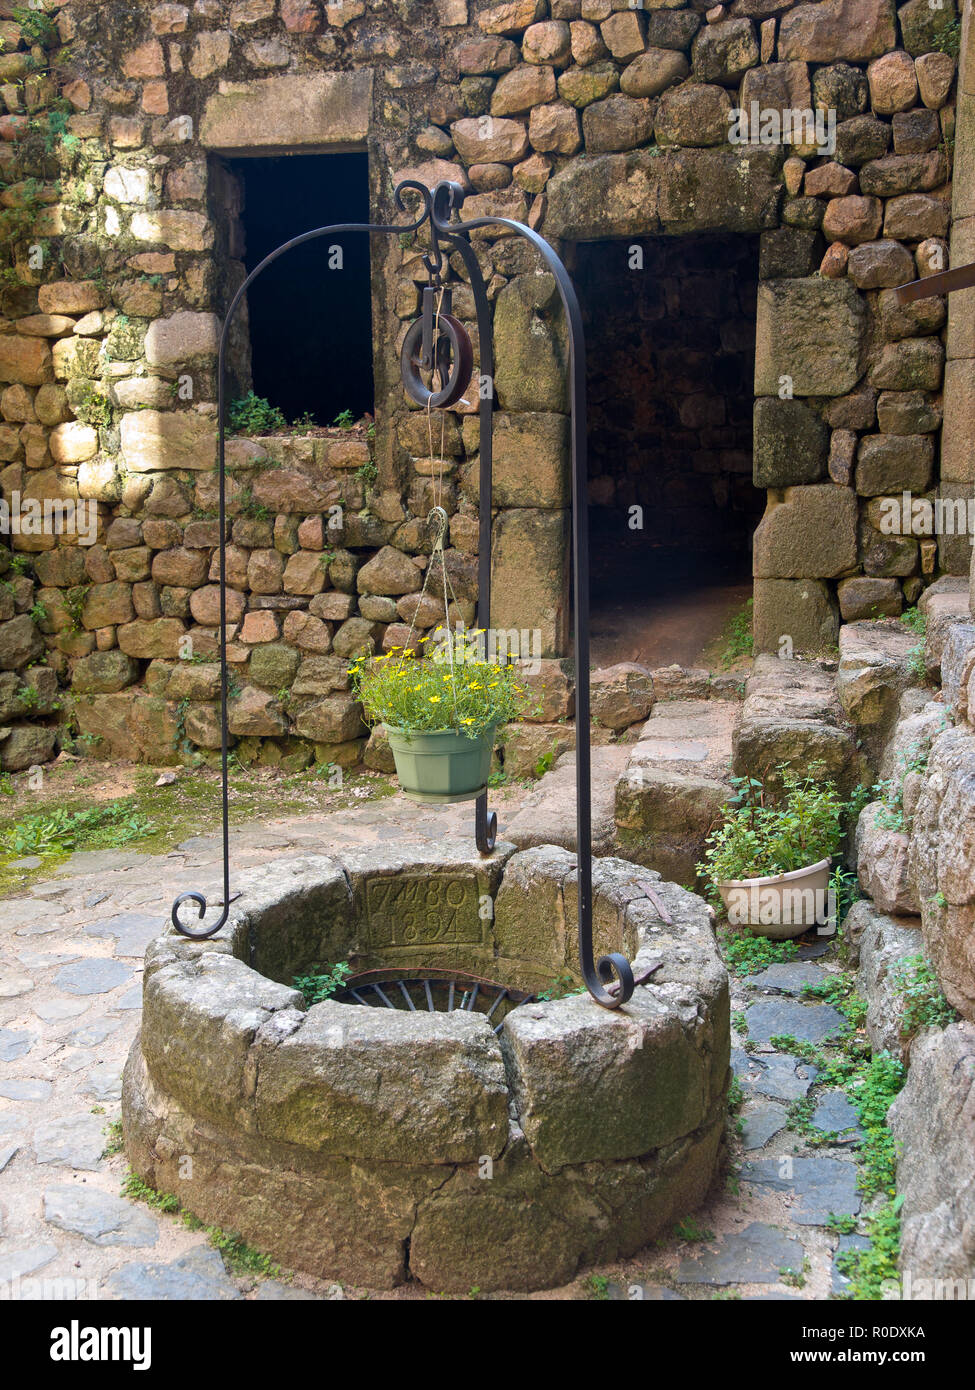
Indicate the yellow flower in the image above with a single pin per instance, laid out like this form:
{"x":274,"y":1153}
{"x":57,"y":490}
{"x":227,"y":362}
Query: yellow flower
{"x":467,"y":721}
{"x":434,"y":699}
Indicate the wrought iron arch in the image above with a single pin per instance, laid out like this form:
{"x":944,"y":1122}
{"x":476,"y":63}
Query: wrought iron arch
{"x":610,"y":979}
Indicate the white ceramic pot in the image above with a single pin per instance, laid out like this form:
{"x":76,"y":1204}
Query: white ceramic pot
{"x":779,"y":906}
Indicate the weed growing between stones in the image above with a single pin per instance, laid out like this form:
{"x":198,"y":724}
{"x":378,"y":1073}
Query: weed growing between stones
{"x":745,"y":954}
{"x":917,"y":622}
{"x":114,"y":1142}
{"x":871,"y":1084}
{"x":925,"y":1006}
{"x":690,"y":1229}
{"x":240,"y":1258}
{"x":315,"y":988}
{"x":737,"y":639}
{"x":561,"y":987}
{"x":60,"y":831}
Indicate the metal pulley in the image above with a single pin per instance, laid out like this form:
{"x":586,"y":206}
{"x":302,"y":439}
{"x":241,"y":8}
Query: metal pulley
{"x":439,"y":345}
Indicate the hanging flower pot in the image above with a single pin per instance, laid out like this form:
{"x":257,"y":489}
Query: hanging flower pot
{"x":442,"y":765}
{"x":441,"y":713}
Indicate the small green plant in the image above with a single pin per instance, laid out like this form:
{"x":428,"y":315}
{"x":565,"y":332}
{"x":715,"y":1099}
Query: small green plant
{"x":758,"y":839}
{"x":304,"y":424}
{"x":138,"y":1191}
{"x":915,"y":620}
{"x":59,"y":831}
{"x":367,"y":472}
{"x":745,"y":954}
{"x":74,"y":605}
{"x":689,"y":1228}
{"x":544,"y":764}
{"x":561,"y":987}
{"x":925,"y":1006}
{"x":948,"y":38}
{"x":872,"y":1271}
{"x":39,"y":613}
{"x":114,"y":1140}
{"x":253,"y":414}
{"x":794,"y":1278}
{"x":598,"y":1286}
{"x":738,"y":638}
{"x":317,"y":988}
{"x":345,"y":420}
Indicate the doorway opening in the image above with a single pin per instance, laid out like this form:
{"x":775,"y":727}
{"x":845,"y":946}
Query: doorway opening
{"x":310,"y":314}
{"x":670,"y":339}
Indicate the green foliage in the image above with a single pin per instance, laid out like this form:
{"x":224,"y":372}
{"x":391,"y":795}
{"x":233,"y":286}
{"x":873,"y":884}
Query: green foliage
{"x":239,"y":1257}
{"x":925,"y":1005}
{"x":315,"y":988}
{"x":469,"y":696}
{"x":39,"y":613}
{"x":36,"y":26}
{"x":345,"y":420}
{"x":912,"y":759}
{"x":74,"y":604}
{"x":758,"y":839}
{"x":138,"y":1191}
{"x":255,"y":415}
{"x":90,"y":406}
{"x":948,"y":39}
{"x":688,"y":1228}
{"x":59,"y":831}
{"x":745,"y":954}
{"x":840,"y":991}
{"x":869,"y":1271}
{"x":367,"y":472}
{"x":598,"y":1286}
{"x":561,"y":987}
{"x":114,"y":1141}
{"x":248,"y":505}
{"x":915,"y":620}
{"x":544,"y":764}
{"x":738,"y":638}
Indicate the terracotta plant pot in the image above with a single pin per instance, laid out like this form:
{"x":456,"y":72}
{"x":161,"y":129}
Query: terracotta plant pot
{"x":442,"y":765}
{"x":779,"y":906}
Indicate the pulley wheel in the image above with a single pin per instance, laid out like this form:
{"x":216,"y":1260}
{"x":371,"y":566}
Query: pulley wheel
{"x":452,"y":346}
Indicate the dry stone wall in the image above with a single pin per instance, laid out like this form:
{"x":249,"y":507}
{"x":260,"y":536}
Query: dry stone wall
{"x":587,"y":119}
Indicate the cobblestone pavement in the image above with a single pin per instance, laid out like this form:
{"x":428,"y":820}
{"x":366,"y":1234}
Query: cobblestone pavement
{"x":70,"y":992}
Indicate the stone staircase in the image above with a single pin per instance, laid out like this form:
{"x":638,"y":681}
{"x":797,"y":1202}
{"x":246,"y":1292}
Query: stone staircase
{"x":658,"y":793}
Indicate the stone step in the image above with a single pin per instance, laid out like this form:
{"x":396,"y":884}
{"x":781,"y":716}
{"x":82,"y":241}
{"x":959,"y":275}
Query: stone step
{"x":674,"y":785}
{"x":548,"y":815}
{"x":792,"y":718}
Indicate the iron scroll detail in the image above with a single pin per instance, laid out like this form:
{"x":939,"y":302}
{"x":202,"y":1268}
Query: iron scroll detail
{"x":609,"y":980}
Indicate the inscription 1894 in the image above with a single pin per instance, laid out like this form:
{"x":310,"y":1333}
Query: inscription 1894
{"x":422,"y":910}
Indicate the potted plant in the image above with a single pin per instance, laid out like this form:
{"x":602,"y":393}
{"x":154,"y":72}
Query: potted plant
{"x":770,"y":863}
{"x":441,"y":713}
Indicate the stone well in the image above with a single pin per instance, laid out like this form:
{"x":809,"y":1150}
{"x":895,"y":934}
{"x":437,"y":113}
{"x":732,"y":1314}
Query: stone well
{"x":370,"y":1145}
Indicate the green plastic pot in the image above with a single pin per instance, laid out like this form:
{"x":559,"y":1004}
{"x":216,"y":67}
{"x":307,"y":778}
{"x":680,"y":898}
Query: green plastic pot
{"x":442,"y":765}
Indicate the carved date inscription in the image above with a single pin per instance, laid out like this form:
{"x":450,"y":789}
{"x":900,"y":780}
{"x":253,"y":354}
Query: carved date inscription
{"x":422,"y":910}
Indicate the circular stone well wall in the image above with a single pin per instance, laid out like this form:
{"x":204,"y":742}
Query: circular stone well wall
{"x":370,"y":1144}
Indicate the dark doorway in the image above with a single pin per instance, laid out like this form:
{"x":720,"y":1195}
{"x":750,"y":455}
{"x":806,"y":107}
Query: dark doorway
{"x":310,"y":314}
{"x":670,"y":337}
